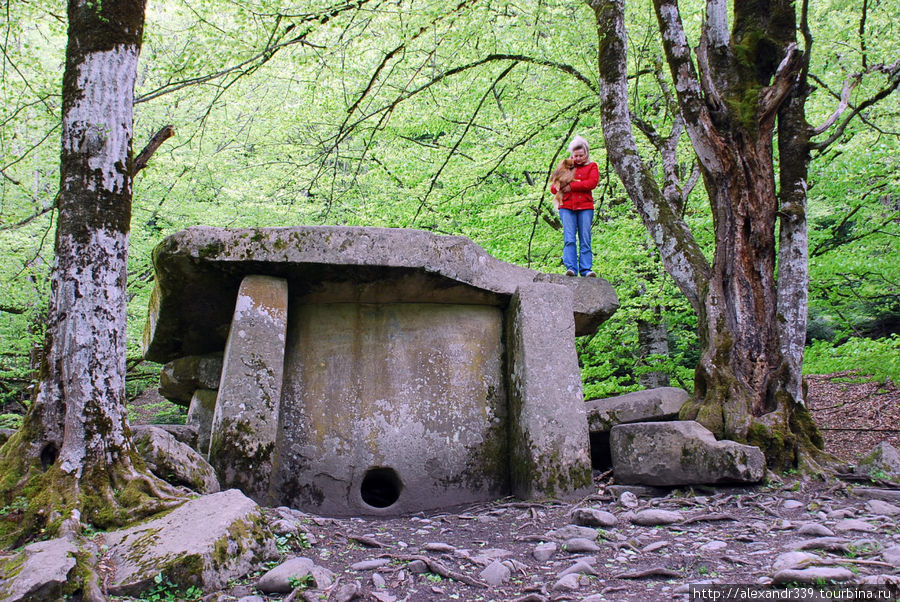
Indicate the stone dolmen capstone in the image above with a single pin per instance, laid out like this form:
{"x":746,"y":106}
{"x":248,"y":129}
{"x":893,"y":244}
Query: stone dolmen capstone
{"x":373,"y":370}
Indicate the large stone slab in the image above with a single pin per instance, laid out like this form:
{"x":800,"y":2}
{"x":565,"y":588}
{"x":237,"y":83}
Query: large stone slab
{"x":179,"y":378}
{"x":651,"y":405}
{"x":174,"y":461}
{"x":548,"y":429}
{"x":38,"y":572}
{"x":199,"y":270}
{"x":392,"y":408}
{"x":232,"y":539}
{"x":245,"y":421}
{"x":680,"y":453}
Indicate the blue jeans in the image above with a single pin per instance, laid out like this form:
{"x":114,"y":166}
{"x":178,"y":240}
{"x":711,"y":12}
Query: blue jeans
{"x":577,"y":224}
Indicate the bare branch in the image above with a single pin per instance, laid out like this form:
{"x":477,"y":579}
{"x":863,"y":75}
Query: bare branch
{"x":452,"y":152}
{"x":140,"y":162}
{"x":893,"y":72}
{"x":849,"y":84}
{"x":717,"y":22}
{"x":30,"y":218}
{"x":784,"y":81}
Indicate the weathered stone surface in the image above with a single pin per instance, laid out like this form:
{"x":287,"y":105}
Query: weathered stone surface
{"x":816,"y":574}
{"x":882,"y":462}
{"x":335,"y":263}
{"x":549,"y":436}
{"x":200,"y":416}
{"x":651,"y":405}
{"x":402,"y":349}
{"x":41,"y":570}
{"x":593,"y":517}
{"x":179,"y":378}
{"x":173,"y":461}
{"x":5,"y":434}
{"x":232,"y":540}
{"x":245,"y":423}
{"x":680,"y":453}
{"x":495,"y":574}
{"x":392,"y":408}
{"x":184,"y":433}
{"x":278,"y":580}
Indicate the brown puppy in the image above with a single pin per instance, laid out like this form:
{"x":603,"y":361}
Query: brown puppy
{"x":562,"y":176}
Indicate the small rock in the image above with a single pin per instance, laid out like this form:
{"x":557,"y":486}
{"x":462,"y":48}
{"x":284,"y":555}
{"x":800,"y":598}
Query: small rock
{"x":495,"y":574}
{"x":592,"y":517}
{"x":368,"y":565}
{"x":252,"y":599}
{"x":346,"y":593}
{"x":570,"y":531}
{"x":713,"y":546}
{"x":583,"y":566}
{"x":794,"y":560}
{"x":322,"y":576}
{"x":628,"y":499}
{"x":278,"y":580}
{"x":655,"y":517}
{"x":791,"y":504}
{"x":568,"y":583}
{"x":417,"y":567}
{"x":882,"y":508}
{"x":657,"y":545}
{"x":815,"y":530}
{"x":852,"y":524}
{"x":442,"y":548}
{"x":831,"y":544}
{"x":815,"y":574}
{"x":378,"y":581}
{"x":544,"y":551}
{"x":840,"y":514}
{"x":578,"y":545}
{"x":892,"y":556}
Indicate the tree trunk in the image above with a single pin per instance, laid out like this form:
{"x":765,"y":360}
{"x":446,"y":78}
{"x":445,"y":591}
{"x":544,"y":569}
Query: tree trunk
{"x":746,"y":385}
{"x":73,"y":455}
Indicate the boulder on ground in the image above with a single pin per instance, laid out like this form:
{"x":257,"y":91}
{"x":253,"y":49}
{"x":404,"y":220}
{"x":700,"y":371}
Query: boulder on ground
{"x":173,"y":461}
{"x":883,"y":462}
{"x":680,"y":453}
{"x":38,"y":572}
{"x":179,"y":378}
{"x":205,"y":542}
{"x":654,"y":405}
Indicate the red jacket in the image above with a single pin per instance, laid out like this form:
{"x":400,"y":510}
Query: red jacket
{"x":579,"y":196}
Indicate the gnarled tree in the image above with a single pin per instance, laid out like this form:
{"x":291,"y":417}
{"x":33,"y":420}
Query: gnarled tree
{"x":73,"y":461}
{"x":744,"y":85}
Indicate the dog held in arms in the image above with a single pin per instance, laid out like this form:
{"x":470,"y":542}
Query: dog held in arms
{"x":562,"y":176}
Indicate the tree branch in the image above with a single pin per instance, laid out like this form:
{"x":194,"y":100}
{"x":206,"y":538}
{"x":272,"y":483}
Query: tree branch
{"x":140,"y":162}
{"x":893,"y":72}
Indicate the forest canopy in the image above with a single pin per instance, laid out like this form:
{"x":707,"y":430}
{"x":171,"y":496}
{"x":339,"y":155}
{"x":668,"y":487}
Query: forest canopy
{"x":450,"y":118}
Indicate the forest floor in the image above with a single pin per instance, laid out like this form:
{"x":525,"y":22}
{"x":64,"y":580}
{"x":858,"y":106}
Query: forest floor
{"x":513,"y":550}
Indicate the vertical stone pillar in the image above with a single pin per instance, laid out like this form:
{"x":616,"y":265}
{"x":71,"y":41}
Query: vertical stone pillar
{"x":200,"y":416}
{"x":245,"y":423}
{"x":549,"y":444}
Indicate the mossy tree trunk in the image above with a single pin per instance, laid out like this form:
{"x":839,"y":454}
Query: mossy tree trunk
{"x":752,"y":319}
{"x":73,"y":463}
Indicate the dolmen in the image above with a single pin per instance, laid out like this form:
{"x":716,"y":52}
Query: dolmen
{"x":352,"y":371}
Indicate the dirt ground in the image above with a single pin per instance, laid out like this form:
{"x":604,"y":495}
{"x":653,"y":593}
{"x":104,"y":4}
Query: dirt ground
{"x":504,"y":550}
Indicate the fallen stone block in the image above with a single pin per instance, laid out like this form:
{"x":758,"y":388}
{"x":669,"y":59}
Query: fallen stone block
{"x":205,"y":542}
{"x":173,"y":461}
{"x":680,"y":453}
{"x":651,"y":405}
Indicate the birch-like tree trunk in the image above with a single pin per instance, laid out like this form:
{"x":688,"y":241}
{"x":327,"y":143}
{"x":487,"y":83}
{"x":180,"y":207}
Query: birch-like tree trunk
{"x":748,"y":383}
{"x":73,"y":455}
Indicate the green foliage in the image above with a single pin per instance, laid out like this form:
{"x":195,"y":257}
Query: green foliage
{"x":10,"y":421}
{"x":301,"y":582}
{"x":878,"y":359}
{"x":163,"y":590}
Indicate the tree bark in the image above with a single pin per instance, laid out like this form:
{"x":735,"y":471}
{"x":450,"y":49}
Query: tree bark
{"x":73,"y":455}
{"x":747,"y":384}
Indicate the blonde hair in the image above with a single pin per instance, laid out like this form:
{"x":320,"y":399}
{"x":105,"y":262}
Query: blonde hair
{"x":579,"y":142}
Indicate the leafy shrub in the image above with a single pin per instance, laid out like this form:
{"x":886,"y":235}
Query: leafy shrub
{"x":877,"y":358}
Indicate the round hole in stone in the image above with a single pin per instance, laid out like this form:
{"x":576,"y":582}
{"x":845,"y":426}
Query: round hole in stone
{"x":381,"y":487}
